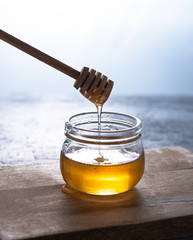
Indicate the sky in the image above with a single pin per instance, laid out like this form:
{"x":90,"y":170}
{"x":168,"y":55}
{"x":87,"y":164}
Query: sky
{"x":144,"y":46}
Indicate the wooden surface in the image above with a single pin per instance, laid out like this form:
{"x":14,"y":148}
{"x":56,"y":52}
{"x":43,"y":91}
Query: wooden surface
{"x":159,"y":207}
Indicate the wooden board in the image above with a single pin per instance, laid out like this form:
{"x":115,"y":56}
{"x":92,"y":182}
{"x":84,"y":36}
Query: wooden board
{"x":160,"y":207}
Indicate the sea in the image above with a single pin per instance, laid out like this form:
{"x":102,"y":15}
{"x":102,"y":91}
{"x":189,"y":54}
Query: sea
{"x":32,"y":127}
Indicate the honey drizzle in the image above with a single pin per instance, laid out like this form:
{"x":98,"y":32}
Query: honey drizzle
{"x":99,"y":113}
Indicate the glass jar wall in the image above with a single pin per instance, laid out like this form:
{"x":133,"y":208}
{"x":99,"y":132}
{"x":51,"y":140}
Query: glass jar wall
{"x":102,"y":160}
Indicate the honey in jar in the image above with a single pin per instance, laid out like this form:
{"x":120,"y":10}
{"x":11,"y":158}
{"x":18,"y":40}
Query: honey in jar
{"x":104,"y":161}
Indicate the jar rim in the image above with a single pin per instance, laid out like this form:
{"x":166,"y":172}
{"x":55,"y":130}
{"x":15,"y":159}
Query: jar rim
{"x":115,"y":127}
{"x":138,"y":122}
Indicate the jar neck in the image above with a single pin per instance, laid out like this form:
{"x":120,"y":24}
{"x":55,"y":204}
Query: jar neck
{"x":115,"y":128}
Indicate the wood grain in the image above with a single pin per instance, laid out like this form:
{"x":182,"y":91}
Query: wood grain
{"x":159,"y":207}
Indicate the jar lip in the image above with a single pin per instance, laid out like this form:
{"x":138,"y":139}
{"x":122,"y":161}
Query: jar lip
{"x":138,"y":123}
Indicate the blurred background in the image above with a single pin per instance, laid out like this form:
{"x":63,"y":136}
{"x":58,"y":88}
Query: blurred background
{"x":144,"y":46}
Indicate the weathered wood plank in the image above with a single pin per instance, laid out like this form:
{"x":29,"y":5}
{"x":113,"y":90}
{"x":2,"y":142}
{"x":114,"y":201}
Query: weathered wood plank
{"x":160,"y":207}
{"x":167,"y":159}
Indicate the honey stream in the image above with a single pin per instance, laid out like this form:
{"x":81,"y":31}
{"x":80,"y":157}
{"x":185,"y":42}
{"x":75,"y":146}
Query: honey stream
{"x":99,"y":113}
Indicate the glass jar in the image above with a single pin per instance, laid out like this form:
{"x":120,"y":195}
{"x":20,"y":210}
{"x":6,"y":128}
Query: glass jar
{"x":102,"y":160}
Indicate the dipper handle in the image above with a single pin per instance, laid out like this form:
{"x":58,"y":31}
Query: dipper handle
{"x":92,"y":84}
{"x":39,"y":55}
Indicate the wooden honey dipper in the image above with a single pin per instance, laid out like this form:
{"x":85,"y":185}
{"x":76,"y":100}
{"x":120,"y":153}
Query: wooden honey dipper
{"x":92,"y":84}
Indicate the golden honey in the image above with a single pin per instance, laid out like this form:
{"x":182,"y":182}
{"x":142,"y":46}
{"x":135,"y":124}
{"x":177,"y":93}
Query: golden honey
{"x":84,"y":173}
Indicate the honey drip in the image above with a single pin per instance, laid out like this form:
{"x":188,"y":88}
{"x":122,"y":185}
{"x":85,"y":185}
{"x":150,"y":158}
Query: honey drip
{"x":99,"y":113}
